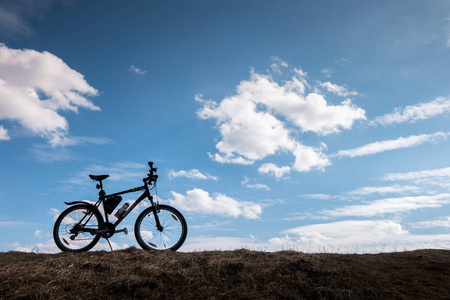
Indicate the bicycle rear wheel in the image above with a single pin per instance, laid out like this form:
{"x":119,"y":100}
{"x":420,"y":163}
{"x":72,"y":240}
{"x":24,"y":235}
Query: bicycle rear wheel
{"x":70,"y":230}
{"x":170,"y":237}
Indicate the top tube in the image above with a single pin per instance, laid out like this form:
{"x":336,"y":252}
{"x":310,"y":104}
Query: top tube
{"x":140,"y":188}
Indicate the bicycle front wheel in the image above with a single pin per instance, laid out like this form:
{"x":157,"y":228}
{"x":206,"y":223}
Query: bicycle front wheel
{"x":71,"y":230}
{"x":170,"y":236}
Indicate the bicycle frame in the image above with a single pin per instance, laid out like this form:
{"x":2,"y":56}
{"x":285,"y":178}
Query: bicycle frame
{"x":102,"y":197}
{"x":145,"y":194}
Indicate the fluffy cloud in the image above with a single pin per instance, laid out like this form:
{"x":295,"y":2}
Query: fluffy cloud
{"x":198,"y":200}
{"x":309,"y":112}
{"x":337,"y":89}
{"x":262,"y":118}
{"x":274,"y":170}
{"x":246,"y":132}
{"x":35,"y":86}
{"x":3,"y":134}
{"x":307,"y":158}
{"x":414,"y":113}
{"x":377,"y":147}
{"x":192,"y":174}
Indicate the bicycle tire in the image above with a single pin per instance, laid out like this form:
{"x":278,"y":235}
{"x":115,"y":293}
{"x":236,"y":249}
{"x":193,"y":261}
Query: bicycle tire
{"x":68,"y":240}
{"x":171,"y":237}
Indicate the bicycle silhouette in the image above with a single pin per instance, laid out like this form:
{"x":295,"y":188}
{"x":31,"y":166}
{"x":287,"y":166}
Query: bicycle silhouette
{"x":158,"y":227}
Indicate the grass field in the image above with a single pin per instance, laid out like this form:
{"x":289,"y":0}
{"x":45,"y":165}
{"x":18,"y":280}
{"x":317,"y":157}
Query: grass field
{"x":240,"y":274}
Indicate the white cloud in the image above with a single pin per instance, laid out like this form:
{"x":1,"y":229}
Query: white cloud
{"x":254,"y":186}
{"x":246,"y":132}
{"x":38,"y":233}
{"x":230,"y":159}
{"x":192,"y":174}
{"x":3,"y":134}
{"x":426,"y":178}
{"x":309,"y":112}
{"x":274,"y":170}
{"x":393,"y":189}
{"x":365,"y":236}
{"x":337,"y":89}
{"x":389,"y":206}
{"x":262,"y":117}
{"x":326,"y":72}
{"x":413,"y":113}
{"x":377,"y":147}
{"x":137,"y":71}
{"x":307,"y":158}
{"x":317,"y":196}
{"x":34,"y":86}
{"x":442,"y":172}
{"x":198,"y":200}
{"x":84,"y":140}
{"x":278,"y":63}
{"x":355,"y":231}
{"x":443,"y":222}
{"x":55,"y":212}
{"x":258,"y":186}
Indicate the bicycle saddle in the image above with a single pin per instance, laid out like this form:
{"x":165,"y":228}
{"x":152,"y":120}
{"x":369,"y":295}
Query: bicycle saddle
{"x":98,"y":177}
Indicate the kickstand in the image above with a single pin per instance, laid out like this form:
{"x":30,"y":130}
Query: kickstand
{"x":109,"y":244}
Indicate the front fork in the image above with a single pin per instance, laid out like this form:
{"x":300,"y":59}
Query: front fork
{"x":155,"y":212}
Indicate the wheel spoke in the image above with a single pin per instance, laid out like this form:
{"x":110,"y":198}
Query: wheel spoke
{"x":170,"y":237}
{"x":70,"y":229}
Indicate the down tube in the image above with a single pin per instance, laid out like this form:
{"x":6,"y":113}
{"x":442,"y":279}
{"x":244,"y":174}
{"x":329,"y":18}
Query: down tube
{"x":141,"y":197}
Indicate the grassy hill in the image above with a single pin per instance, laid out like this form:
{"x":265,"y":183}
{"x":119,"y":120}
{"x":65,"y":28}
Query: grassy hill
{"x":241,"y":274}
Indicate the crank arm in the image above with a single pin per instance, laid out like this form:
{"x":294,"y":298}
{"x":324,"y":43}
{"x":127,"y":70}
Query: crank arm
{"x":122,"y":230}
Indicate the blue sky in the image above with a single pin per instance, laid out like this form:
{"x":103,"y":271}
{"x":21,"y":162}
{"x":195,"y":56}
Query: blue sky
{"x":314,"y":126}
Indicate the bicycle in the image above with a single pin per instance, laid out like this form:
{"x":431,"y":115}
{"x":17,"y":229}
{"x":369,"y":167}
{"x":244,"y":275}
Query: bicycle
{"x":159,"y":227}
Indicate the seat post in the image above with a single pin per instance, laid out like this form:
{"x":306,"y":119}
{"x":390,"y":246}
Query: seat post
{"x":99,"y":186}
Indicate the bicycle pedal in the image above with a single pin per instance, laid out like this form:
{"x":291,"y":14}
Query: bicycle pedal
{"x":125,"y":230}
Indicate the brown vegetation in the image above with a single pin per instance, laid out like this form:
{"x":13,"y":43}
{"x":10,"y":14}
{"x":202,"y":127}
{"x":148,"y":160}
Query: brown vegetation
{"x":241,"y":274}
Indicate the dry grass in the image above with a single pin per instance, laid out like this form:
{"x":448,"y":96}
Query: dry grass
{"x":241,"y":274}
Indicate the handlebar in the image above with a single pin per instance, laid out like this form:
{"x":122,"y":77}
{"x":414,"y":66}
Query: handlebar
{"x":151,"y":176}
{"x":150,"y":164}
